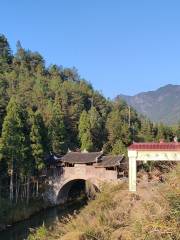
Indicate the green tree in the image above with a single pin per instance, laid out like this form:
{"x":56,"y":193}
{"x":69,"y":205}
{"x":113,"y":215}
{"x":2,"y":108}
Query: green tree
{"x":5,"y":54}
{"x":14,"y":142}
{"x":146,"y":131}
{"x":86,"y":142}
{"x":161,"y":135}
{"x":96,"y":128}
{"x":3,"y":98}
{"x":118,"y":128}
{"x":119,"y":148}
{"x":38,"y":139}
{"x":57,"y":131}
{"x":85,"y":132}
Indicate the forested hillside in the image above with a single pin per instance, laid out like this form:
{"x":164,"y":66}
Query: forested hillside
{"x":47,"y":110}
{"x":161,"y":105}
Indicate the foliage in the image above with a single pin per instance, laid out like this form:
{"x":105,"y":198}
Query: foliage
{"x":57,"y":131}
{"x":46,"y":110}
{"x":40,"y":234}
{"x":5,"y":54}
{"x":38,"y":138}
{"x":119,"y":148}
{"x":85,"y":132}
{"x":15,"y":140}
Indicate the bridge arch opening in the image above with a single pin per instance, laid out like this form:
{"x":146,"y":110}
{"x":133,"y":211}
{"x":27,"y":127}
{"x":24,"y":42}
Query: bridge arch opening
{"x":75,"y":188}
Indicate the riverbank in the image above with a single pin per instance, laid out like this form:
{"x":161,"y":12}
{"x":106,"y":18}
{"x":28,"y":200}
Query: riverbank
{"x":46,"y":217}
{"x":152,"y":213}
{"x":13,"y":213}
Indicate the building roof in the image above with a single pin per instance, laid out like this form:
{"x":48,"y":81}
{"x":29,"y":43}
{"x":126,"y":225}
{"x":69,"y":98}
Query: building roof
{"x":109,"y":161}
{"x":81,"y":157}
{"x":153,"y":146}
{"x":52,"y":159}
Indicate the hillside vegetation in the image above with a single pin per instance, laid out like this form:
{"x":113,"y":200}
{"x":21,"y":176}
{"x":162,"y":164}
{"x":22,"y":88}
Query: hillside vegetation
{"x":161,"y":105}
{"x":46,"y":110}
{"x":152,"y":213}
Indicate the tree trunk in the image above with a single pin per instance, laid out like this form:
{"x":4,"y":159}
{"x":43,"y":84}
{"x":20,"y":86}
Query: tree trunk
{"x":37,"y":188}
{"x":16,"y":185}
{"x":27,"y":199}
{"x":34,"y":188}
{"x":11,"y":185}
{"x":25,"y":189}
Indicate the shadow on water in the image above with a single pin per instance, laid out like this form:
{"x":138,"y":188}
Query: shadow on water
{"x":76,"y":200}
{"x":20,"y":230}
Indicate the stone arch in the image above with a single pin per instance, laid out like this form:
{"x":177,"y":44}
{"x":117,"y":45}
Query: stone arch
{"x":65,"y":188}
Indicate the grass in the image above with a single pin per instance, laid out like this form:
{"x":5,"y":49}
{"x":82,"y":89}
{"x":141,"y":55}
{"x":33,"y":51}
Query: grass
{"x":41,"y":234}
{"x":153,"y":213}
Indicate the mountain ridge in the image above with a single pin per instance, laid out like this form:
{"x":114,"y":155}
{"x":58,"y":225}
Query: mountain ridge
{"x":161,"y":105}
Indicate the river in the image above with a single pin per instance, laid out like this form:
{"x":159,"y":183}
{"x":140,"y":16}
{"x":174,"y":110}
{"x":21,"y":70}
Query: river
{"x":20,"y":230}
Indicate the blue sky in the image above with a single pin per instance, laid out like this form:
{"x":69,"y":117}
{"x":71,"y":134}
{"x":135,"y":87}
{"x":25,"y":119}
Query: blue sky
{"x":120,"y":46}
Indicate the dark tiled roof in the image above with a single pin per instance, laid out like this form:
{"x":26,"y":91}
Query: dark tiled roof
{"x":81,"y":157}
{"x":52,"y":159}
{"x":109,"y":161}
{"x":163,"y":146}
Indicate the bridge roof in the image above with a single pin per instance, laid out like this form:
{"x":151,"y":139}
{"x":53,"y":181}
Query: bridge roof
{"x":110,"y":161}
{"x":81,"y":157}
{"x":153,"y":146}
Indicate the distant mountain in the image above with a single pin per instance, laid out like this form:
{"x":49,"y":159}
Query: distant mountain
{"x":161,"y":105}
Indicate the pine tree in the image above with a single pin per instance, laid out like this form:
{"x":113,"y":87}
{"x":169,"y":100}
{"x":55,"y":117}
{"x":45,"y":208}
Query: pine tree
{"x":119,"y":148}
{"x":37,"y":137}
{"x":57,"y":131}
{"x":3,"y":99}
{"x":86,"y":142}
{"x":114,"y":126}
{"x":85,"y":132}
{"x":118,"y":128}
{"x":14,"y":146}
{"x":96,"y":127}
{"x":146,"y":132}
{"x":161,"y":132}
{"x":5,"y":54}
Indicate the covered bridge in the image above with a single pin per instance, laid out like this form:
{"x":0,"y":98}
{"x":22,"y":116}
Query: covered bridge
{"x":96,"y":160}
{"x":80,"y":167}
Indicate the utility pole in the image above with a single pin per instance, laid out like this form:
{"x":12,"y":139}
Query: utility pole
{"x":129,"y":110}
{"x":133,"y":132}
{"x":92,"y":101}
